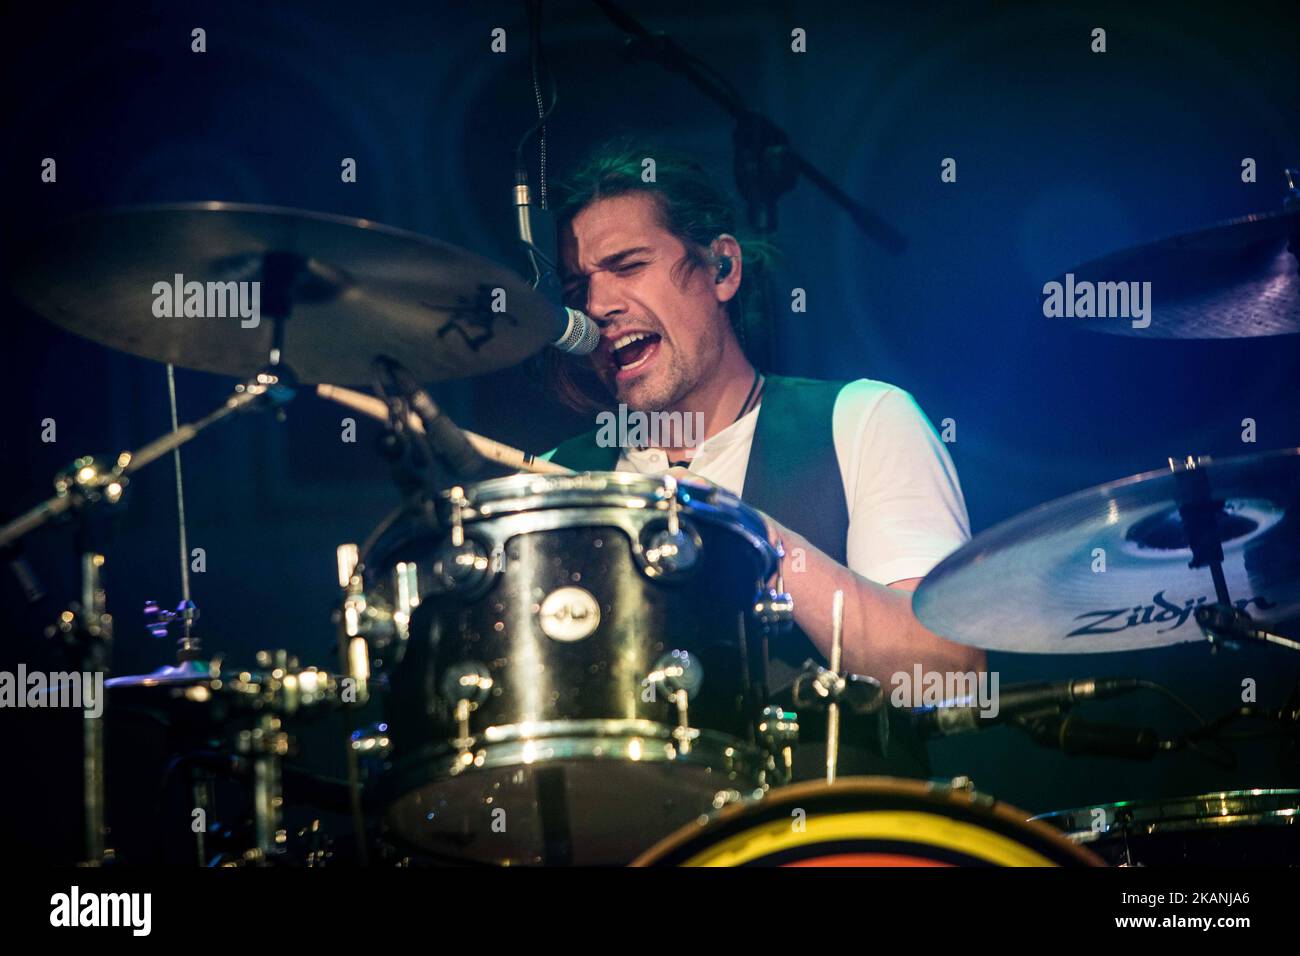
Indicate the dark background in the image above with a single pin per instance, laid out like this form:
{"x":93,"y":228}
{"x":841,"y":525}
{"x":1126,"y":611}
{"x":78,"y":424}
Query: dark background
{"x":1062,"y":155}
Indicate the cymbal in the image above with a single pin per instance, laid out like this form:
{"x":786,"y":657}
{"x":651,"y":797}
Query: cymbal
{"x":179,"y":689}
{"x":189,"y":689}
{"x":1231,"y":280}
{"x":187,"y":674}
{"x":355,"y":289}
{"x":1106,"y":569}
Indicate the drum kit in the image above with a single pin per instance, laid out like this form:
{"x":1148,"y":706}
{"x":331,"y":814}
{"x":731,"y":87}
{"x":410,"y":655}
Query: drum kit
{"x":572,"y":668}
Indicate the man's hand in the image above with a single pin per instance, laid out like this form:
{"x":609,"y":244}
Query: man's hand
{"x":881,"y":634}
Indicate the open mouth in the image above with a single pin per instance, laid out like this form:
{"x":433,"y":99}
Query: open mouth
{"x":632,"y":351}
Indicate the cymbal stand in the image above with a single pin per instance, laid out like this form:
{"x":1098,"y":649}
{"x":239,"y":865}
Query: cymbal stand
{"x":88,"y":489}
{"x":1222,"y":622}
{"x":86,"y":628}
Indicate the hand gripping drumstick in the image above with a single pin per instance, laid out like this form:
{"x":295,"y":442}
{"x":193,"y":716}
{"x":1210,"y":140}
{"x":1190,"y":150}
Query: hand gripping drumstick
{"x":489,"y":449}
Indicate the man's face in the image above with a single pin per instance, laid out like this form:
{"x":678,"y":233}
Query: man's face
{"x":659,"y":340}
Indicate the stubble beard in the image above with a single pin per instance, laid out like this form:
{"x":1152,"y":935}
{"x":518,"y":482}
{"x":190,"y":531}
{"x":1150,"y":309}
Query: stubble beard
{"x":659,"y":396}
{"x":677,"y":380}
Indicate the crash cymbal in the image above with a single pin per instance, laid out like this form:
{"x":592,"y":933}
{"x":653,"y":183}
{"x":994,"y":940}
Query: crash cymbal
{"x":1232,"y":280}
{"x":354,"y":288}
{"x":1106,"y":569}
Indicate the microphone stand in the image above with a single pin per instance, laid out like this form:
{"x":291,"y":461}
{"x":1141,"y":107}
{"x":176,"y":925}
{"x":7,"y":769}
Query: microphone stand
{"x":766,"y":164}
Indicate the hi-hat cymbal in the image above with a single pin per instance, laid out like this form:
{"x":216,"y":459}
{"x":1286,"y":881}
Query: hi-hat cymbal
{"x":1106,"y":569}
{"x":1231,"y":280}
{"x":356,"y":289}
{"x":186,"y":674}
{"x":203,"y":687}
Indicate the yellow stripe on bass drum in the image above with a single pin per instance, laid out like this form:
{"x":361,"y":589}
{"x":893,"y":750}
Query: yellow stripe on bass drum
{"x":923,"y":829}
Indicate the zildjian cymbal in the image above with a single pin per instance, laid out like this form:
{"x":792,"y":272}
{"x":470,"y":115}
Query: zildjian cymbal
{"x":1108,"y":568}
{"x":180,"y":283}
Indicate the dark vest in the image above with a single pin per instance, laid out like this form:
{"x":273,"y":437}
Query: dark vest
{"x":793,"y":475}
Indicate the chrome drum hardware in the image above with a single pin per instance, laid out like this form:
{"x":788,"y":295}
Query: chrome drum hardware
{"x":584,"y":683}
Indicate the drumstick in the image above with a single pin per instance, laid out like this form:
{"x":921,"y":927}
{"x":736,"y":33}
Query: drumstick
{"x":489,"y":449}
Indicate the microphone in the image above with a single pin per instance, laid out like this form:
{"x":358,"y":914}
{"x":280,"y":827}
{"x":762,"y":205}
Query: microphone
{"x":1074,"y":735}
{"x":577,"y":334}
{"x":580,"y":335}
{"x":1016,"y":701}
{"x":447,"y":440}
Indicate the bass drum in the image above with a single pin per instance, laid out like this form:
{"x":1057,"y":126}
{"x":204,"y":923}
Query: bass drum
{"x":1232,"y":828}
{"x":868,"y":822}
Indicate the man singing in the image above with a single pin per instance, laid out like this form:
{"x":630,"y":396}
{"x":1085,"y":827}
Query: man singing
{"x":852,"y":477}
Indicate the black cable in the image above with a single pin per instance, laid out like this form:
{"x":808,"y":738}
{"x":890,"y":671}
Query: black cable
{"x":537,"y":58}
{"x":1166,"y":692}
{"x":1212,"y":751}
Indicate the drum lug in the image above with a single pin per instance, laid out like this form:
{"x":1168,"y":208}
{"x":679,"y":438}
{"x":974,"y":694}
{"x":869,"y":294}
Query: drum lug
{"x":965,"y":786}
{"x":680,"y":675}
{"x":674,"y":508}
{"x":774,"y":610}
{"x":369,"y":625}
{"x":669,"y":550}
{"x":458,"y":503}
{"x":464,"y":568}
{"x":962,"y":784}
{"x":407,"y":578}
{"x":778,"y":732}
{"x":465,"y":686}
{"x":669,"y":546}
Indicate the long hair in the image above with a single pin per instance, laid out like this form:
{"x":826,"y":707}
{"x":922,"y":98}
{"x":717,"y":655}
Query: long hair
{"x":689,"y":206}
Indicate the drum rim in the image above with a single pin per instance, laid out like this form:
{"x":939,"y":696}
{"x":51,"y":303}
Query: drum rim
{"x":578,"y":739}
{"x":526,"y":485}
{"x":1267,"y":806}
{"x":497,"y":497}
{"x":528,"y":504}
{"x":736,"y":767}
{"x":1048,"y":841}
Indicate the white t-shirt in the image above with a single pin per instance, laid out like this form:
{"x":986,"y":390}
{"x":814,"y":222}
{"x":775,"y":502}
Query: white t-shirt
{"x":906,"y":511}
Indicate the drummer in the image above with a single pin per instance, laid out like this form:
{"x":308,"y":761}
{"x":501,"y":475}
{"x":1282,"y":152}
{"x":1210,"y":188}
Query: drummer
{"x":855,"y":481}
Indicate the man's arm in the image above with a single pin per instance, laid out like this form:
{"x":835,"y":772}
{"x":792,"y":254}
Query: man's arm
{"x":906,"y":512}
{"x":881,"y":634}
